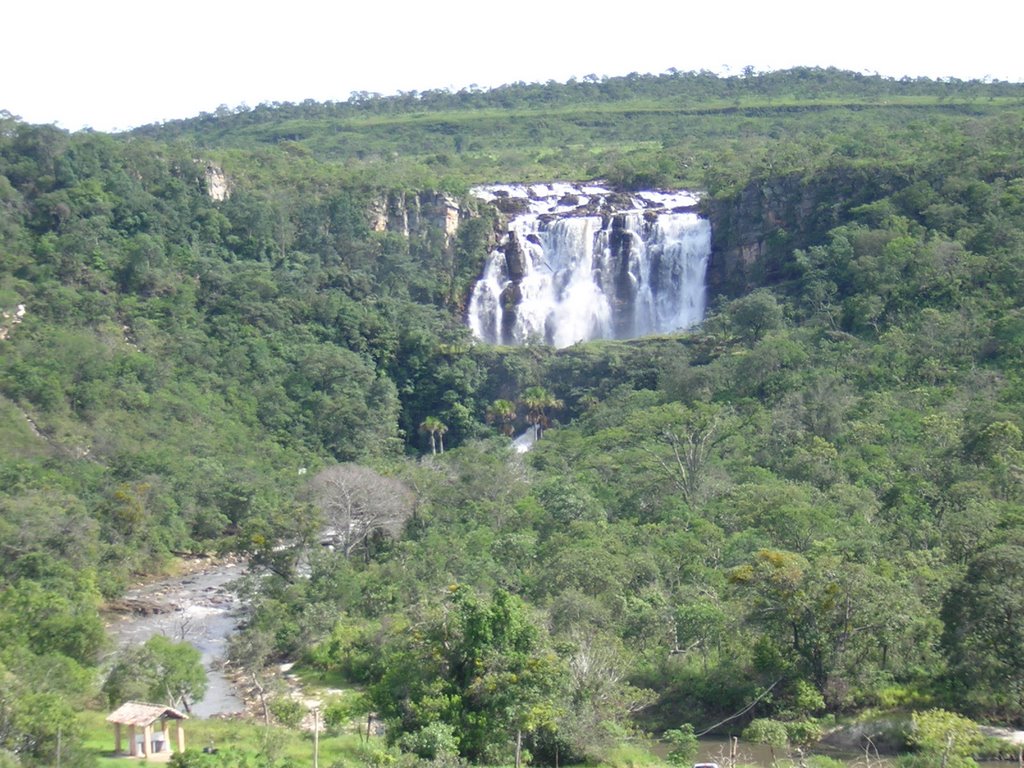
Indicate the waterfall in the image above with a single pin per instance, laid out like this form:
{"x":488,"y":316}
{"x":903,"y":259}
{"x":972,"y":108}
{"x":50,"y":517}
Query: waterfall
{"x":583,"y":263}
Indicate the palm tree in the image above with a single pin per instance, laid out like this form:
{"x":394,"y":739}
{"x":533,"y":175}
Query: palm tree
{"x":434,"y":427}
{"x":503,"y":413}
{"x":537,"y":401}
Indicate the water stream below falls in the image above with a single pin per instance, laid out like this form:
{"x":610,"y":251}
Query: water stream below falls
{"x":196,"y":607}
{"x":583,"y":262}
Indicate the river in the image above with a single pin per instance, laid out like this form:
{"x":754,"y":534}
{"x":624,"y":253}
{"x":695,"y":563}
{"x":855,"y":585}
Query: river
{"x":716,"y":750}
{"x":196,"y":607}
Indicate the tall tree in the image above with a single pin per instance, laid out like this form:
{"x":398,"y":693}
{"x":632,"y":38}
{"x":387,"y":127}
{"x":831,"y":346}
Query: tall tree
{"x":482,"y":667}
{"x":831,"y":620}
{"x":434,"y":427}
{"x":357,"y":503}
{"x":502,"y":413}
{"x":538,"y":402}
{"x":984,"y":635}
{"x":158,"y":670}
{"x":692,"y":434}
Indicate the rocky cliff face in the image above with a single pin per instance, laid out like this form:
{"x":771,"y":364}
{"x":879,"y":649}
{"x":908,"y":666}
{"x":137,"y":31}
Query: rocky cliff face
{"x":217,"y":185}
{"x":9,"y":319}
{"x":418,"y":214}
{"x":449,"y":236}
{"x":757,"y":229}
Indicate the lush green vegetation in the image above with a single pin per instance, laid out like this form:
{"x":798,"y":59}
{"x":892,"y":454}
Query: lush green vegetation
{"x":690,"y":128}
{"x":812,"y":504}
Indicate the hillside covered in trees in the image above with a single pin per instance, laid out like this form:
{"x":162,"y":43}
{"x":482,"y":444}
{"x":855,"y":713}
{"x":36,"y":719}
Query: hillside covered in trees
{"x":234,"y":332}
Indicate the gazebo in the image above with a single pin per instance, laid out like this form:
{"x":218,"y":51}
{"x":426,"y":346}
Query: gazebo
{"x":136,"y":715}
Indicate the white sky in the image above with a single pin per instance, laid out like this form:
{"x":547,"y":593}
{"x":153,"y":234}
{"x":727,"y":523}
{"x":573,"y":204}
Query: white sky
{"x":121,"y":63}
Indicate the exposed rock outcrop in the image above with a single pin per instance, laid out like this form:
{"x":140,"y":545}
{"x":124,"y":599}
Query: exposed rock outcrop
{"x":217,"y":185}
{"x":417,"y":214}
{"x":9,"y":319}
{"x":515,"y":258}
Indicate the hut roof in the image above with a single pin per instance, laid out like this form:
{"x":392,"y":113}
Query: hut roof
{"x":136,"y":713}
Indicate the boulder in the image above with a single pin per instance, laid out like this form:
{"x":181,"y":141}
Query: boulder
{"x":515,"y":258}
{"x":510,"y":298}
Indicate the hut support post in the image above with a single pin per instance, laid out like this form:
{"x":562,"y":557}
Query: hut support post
{"x":147,"y":740}
{"x":179,"y":736}
{"x":133,"y":745}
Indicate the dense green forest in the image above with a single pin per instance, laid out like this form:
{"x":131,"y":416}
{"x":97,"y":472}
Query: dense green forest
{"x":813,"y":503}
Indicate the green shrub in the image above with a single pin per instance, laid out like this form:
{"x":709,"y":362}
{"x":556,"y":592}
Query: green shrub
{"x":684,"y":744}
{"x":437,"y":740}
{"x":767,"y":731}
{"x":806,"y":731}
{"x":824,"y":761}
{"x":945,"y":737}
{"x":287,"y":711}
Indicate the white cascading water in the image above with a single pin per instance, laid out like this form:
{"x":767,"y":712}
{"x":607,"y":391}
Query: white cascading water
{"x":584,"y":264}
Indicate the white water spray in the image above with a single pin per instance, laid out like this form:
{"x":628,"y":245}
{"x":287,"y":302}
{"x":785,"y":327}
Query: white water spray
{"x":582,"y":263}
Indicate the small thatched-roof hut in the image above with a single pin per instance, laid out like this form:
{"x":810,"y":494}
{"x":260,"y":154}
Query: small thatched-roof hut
{"x":137,"y":715}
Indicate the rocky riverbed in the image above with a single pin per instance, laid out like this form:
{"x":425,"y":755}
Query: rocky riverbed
{"x":196,"y":606}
